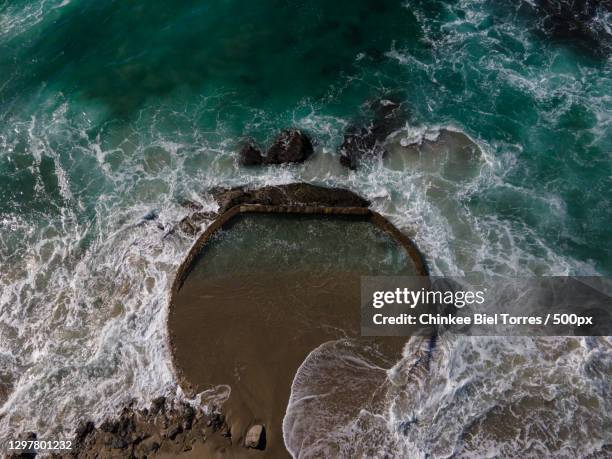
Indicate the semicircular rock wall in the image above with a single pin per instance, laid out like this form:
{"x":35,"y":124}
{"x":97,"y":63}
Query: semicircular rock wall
{"x":248,"y":329}
{"x":294,"y":198}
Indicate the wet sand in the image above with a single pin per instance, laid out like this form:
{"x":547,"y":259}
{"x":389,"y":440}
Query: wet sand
{"x":252,"y":332}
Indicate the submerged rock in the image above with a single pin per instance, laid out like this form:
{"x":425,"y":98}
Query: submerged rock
{"x":290,"y":146}
{"x":358,"y":142}
{"x":256,"y":437}
{"x":250,"y":155}
{"x":365,"y":140}
{"x":582,"y":22}
{"x":191,"y":224}
{"x":150,"y":215}
{"x":26,"y":453}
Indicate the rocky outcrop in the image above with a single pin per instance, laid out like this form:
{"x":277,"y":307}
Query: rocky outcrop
{"x":191,"y":224}
{"x":290,"y":146}
{"x":166,"y":427}
{"x":362,"y":140}
{"x":294,"y":194}
{"x":250,"y":155}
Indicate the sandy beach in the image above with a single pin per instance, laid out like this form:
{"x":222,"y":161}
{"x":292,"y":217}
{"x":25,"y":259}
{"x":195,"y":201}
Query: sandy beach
{"x":252,"y":333}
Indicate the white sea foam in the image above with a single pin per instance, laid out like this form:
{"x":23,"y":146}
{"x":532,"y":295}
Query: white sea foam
{"x":471,"y":397}
{"x":18,"y":18}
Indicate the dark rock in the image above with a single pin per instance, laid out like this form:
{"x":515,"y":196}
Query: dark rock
{"x":365,"y":139}
{"x":25,"y":454}
{"x":191,"y":224}
{"x":191,"y":205}
{"x":188,"y":227}
{"x":150,"y":215}
{"x":154,"y":446}
{"x":117,"y":443}
{"x":138,"y":437}
{"x":22,"y":455}
{"x":109,"y":426}
{"x":250,"y":155}
{"x":189,"y":415}
{"x":173,"y":431}
{"x":291,"y":146}
{"x":358,"y":142}
{"x":84,"y":429}
{"x":126,"y":423}
{"x":389,"y":116}
{"x":158,"y":404}
{"x":148,"y":446}
{"x":256,"y":437}
{"x":347,"y":161}
{"x":217,"y":422}
{"x":295,"y":194}
{"x":578,"y":22}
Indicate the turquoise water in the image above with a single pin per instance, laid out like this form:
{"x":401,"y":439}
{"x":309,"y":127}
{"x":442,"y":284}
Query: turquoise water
{"x":112,"y":109}
{"x":94,"y":87}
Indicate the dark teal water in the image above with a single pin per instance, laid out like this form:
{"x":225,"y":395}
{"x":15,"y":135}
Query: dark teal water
{"x":111,"y":109}
{"x":122,"y":77}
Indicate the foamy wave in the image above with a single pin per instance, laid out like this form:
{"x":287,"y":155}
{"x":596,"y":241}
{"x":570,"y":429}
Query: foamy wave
{"x":472,"y":397}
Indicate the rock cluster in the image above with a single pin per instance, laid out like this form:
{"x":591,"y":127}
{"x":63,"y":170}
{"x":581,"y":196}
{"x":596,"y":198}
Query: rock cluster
{"x":250,"y":155}
{"x":362,"y":139}
{"x":171,"y":427}
{"x":290,"y":146}
{"x":167,"y":427}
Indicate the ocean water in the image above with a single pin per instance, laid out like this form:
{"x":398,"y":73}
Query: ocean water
{"x":111,"y":111}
